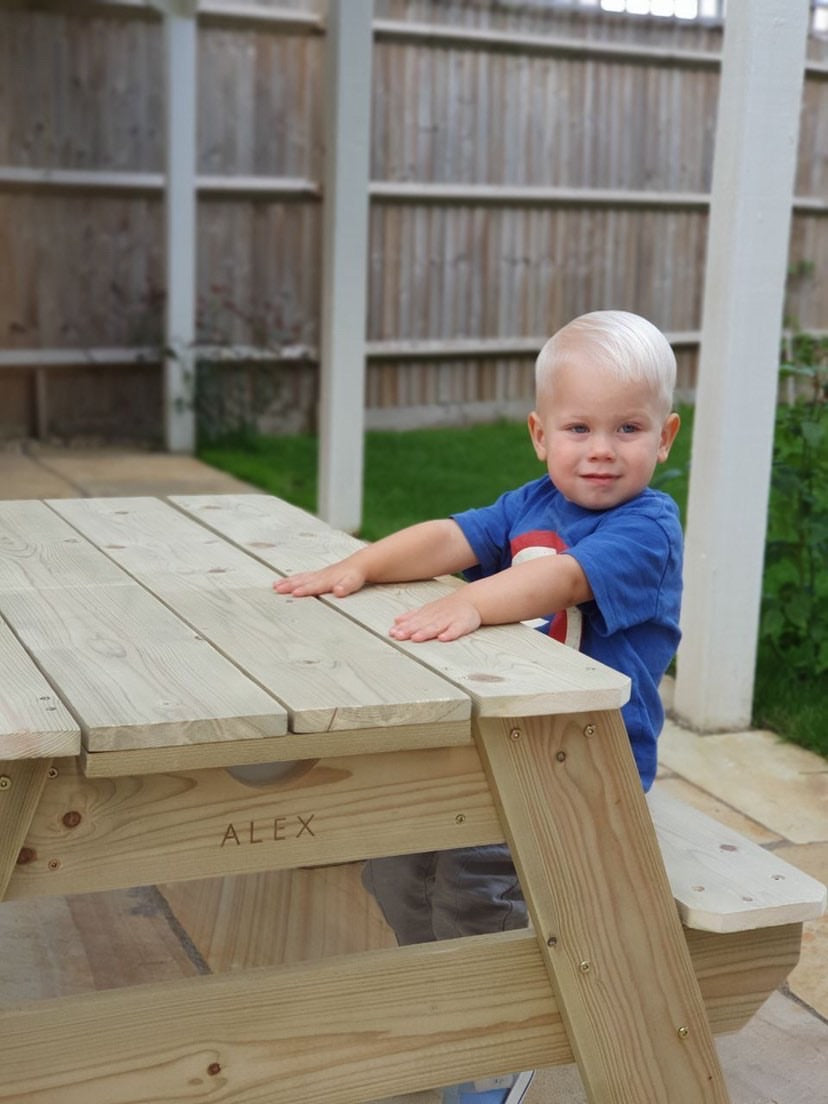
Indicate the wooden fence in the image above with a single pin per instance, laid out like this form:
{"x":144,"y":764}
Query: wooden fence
{"x":528,"y":163}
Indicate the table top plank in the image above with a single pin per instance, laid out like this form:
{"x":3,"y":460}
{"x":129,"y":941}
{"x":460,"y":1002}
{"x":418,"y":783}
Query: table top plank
{"x":132,"y":672}
{"x":507,"y":670}
{"x":330,"y":674}
{"x":38,"y":551}
{"x":34,"y":722}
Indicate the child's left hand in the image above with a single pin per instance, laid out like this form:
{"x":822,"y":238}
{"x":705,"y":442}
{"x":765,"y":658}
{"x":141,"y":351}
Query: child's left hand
{"x":445,"y":619}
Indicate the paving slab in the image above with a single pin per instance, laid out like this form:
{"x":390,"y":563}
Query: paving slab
{"x":102,"y":472}
{"x":776,"y":784}
{"x":21,"y":476}
{"x":682,"y":790}
{"x":809,"y":981}
{"x":781,"y":1057}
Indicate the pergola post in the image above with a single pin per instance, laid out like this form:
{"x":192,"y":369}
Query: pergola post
{"x":345,"y":262}
{"x":750,"y":213}
{"x":180,"y":224}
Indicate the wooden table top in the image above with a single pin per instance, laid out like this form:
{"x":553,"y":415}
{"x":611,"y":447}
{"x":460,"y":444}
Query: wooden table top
{"x":149,"y":630}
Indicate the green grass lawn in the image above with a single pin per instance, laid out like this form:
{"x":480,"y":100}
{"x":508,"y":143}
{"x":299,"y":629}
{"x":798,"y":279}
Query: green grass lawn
{"x":434,"y":472}
{"x":408,"y":476}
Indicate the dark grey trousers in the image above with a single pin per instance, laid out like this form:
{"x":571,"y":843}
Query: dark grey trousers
{"x":445,"y":894}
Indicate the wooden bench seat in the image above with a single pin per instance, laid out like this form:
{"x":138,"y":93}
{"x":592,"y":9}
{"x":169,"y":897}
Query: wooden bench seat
{"x":723,"y":882}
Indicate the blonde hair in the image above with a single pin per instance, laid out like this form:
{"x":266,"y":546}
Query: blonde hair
{"x":626,"y":344}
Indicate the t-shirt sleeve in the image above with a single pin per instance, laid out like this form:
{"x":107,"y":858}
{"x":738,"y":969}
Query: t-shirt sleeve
{"x":488,"y":531}
{"x":627,"y":560}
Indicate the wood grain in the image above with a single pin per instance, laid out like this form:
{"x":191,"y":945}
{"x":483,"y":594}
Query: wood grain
{"x":168,"y":827}
{"x":34,"y":722}
{"x":339,"y":1031}
{"x":722,"y":881}
{"x":65,"y":946}
{"x":507,"y":670}
{"x":267,"y":749}
{"x":278,"y":917}
{"x":175,"y":824}
{"x":19,"y":798}
{"x":593,"y":878}
{"x":329,"y":673}
{"x":133,"y":674}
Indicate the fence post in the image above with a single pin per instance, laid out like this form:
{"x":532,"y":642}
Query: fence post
{"x":180,"y":232}
{"x":750,"y":213}
{"x":345,"y":262}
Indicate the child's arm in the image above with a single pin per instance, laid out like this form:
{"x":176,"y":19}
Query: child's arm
{"x":534,"y":589}
{"x":418,"y":552}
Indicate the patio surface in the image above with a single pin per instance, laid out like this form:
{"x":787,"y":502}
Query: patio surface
{"x":772,"y":792}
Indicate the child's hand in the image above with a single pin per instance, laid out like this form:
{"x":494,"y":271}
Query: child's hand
{"x":340,"y":579}
{"x":446,"y":619}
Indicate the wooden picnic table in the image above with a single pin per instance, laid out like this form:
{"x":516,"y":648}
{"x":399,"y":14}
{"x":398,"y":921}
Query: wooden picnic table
{"x":149,"y":669}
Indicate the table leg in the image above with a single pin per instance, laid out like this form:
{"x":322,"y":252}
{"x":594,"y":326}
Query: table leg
{"x":584,"y":846}
{"x":21,"y":784}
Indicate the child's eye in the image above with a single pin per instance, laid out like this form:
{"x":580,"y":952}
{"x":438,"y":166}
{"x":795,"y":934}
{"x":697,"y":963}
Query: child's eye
{"x":579,"y":428}
{"x":629,"y":427}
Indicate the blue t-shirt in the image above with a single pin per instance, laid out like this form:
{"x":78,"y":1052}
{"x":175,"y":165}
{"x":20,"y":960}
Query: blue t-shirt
{"x":631,"y":555}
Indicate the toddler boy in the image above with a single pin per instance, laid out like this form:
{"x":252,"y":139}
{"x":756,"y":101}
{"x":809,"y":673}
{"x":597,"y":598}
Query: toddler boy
{"x":588,"y":547}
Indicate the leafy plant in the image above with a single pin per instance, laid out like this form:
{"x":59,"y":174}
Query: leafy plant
{"x":794,"y":624}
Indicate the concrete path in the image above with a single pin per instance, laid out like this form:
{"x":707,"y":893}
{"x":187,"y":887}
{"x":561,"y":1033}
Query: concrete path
{"x":773,"y":792}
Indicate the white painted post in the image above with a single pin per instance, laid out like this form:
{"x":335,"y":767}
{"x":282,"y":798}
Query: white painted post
{"x":180,"y":234}
{"x":750,"y":212}
{"x":345,"y":262}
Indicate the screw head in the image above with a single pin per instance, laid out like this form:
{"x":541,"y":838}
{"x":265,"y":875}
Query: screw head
{"x":52,"y":772}
{"x":53,"y":864}
{"x":561,"y":756}
{"x":5,"y":782}
{"x":460,"y":818}
{"x":552,"y":941}
{"x":514,"y":734}
{"x":589,"y":730}
{"x":682,"y":1032}
{"x":584,"y":967}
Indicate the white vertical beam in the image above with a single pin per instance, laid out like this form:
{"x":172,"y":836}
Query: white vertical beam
{"x":345,"y":262}
{"x":748,"y":241}
{"x":180,"y":227}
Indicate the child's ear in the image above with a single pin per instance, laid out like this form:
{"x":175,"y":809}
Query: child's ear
{"x":537,"y":435}
{"x":668,"y":435}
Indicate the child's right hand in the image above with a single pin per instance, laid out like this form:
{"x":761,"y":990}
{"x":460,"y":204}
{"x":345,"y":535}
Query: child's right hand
{"x":339,"y":579}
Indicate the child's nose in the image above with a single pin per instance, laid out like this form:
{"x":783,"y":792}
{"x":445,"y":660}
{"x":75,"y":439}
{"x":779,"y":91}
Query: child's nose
{"x":601,"y":445}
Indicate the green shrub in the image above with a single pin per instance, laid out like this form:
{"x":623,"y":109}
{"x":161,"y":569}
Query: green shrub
{"x":794,"y":622}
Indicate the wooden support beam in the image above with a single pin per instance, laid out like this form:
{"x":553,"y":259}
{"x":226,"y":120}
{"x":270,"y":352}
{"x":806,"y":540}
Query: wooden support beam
{"x":345,"y":262}
{"x":476,"y":38}
{"x":526,"y":195}
{"x":21,"y":786}
{"x":289,"y":188}
{"x":213,"y":186}
{"x":342,"y":1030}
{"x":736,"y":394}
{"x":586,"y":852}
{"x":179,"y":364}
{"x":175,"y":827}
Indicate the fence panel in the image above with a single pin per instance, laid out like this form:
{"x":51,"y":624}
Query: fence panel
{"x":528,"y":163}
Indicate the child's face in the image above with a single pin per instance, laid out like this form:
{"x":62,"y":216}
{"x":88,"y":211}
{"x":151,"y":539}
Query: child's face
{"x":600,"y":437}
